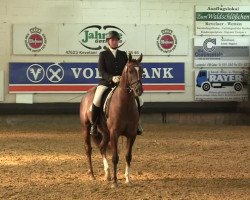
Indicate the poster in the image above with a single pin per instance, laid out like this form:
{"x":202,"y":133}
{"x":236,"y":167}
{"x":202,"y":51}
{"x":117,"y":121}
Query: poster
{"x":226,"y":51}
{"x":221,"y":85}
{"x":222,"y":20}
{"x":33,"y":39}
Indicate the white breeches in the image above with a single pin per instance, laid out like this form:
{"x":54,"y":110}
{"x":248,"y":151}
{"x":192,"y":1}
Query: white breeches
{"x":99,"y":92}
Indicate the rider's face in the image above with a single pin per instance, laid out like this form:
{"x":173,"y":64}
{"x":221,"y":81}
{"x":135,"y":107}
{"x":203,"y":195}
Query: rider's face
{"x":113,"y":43}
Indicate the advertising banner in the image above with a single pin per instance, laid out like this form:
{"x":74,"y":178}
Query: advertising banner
{"x":80,"y":77}
{"x":226,"y":51}
{"x":90,"y":39}
{"x":42,"y":39}
{"x":221,"y":85}
{"x":222,"y":20}
{"x":169,"y":39}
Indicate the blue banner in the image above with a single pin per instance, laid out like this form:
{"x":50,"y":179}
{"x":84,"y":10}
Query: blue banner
{"x":79,"y":77}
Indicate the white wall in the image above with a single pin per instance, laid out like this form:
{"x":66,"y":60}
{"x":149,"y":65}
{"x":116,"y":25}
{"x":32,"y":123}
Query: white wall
{"x":1,"y":86}
{"x":100,"y":11}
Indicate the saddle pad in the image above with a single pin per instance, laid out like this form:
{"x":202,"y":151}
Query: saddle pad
{"x":107,"y":100}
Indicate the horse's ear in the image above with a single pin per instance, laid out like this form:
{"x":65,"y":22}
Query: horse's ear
{"x":139,"y":59}
{"x":129,"y":57}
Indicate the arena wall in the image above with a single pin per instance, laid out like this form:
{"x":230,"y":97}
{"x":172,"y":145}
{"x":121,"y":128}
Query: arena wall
{"x":141,"y":12}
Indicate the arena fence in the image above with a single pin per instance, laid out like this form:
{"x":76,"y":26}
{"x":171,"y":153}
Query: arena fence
{"x":234,"y":113}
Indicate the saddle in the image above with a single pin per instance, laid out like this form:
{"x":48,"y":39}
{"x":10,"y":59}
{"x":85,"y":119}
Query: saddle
{"x":106,"y":97}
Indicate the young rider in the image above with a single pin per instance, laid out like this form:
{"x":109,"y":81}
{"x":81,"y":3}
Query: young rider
{"x":110,"y":65}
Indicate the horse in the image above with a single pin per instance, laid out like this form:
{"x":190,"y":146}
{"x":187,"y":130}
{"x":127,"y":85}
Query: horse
{"x":122,"y":120}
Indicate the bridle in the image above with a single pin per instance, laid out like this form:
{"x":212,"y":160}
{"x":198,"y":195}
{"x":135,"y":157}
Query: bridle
{"x":132,"y":86}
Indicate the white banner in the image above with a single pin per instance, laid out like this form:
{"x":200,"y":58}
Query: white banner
{"x":89,"y":39}
{"x":35,"y":39}
{"x":221,"y":85}
{"x":222,"y":52}
{"x":222,"y":20}
{"x":171,"y":39}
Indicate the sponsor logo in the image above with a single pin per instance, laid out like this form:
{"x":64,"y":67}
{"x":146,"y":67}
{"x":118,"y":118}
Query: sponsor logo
{"x":35,"y":40}
{"x":55,"y":73}
{"x":209,"y":44}
{"x":208,"y":49}
{"x":35,"y":73}
{"x":166,"y":41}
{"x":94,"y":37}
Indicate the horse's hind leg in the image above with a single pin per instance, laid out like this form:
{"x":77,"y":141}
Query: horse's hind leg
{"x":115,"y":158}
{"x":130,"y":142}
{"x":88,"y":150}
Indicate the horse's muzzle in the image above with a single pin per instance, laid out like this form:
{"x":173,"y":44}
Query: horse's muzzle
{"x":138,"y":89}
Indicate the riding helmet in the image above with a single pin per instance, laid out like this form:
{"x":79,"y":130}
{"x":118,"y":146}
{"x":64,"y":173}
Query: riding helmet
{"x":112,"y":34}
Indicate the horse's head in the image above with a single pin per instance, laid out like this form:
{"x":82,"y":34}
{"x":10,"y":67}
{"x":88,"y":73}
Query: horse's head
{"x":133,"y":73}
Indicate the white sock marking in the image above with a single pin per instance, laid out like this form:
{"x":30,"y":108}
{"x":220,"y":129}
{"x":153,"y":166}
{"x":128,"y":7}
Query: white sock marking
{"x":105,"y":164}
{"x":127,"y":174}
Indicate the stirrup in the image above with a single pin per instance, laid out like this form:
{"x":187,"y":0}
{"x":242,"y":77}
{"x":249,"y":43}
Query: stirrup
{"x":139,"y":129}
{"x":93,"y":130}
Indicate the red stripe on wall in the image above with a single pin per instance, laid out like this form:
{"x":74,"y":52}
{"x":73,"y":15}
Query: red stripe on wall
{"x":163,"y":87}
{"x":49,"y":88}
{"x":84,"y":88}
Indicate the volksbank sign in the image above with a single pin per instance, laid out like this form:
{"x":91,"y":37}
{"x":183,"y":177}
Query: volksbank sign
{"x":80,"y":77}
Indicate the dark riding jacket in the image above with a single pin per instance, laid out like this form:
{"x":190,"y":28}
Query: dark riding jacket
{"x":110,"y":66}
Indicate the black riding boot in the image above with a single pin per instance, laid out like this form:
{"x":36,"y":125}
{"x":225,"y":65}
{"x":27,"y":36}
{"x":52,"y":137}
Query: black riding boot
{"x":95,"y":115}
{"x":139,"y":129}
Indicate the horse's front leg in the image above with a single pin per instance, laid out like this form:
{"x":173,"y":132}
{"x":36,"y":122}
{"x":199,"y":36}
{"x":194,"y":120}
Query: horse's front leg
{"x":115,"y":157}
{"x":103,"y":148}
{"x":107,"y":176}
{"x":88,"y":150}
{"x":130,"y":142}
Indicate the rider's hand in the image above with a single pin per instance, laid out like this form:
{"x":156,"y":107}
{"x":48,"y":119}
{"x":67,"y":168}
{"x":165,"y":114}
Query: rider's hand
{"x":116,"y":79}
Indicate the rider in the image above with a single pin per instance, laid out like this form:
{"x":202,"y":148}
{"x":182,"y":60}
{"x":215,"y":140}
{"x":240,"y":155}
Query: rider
{"x":110,"y":65}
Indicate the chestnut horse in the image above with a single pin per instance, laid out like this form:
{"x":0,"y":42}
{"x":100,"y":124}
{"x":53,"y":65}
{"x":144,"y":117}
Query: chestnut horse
{"x":123,"y":118}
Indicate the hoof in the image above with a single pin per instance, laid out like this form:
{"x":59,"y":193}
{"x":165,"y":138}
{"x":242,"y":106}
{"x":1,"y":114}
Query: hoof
{"x":90,"y":173}
{"x":128,"y":183}
{"x":107,"y":178}
{"x":114,"y":185}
